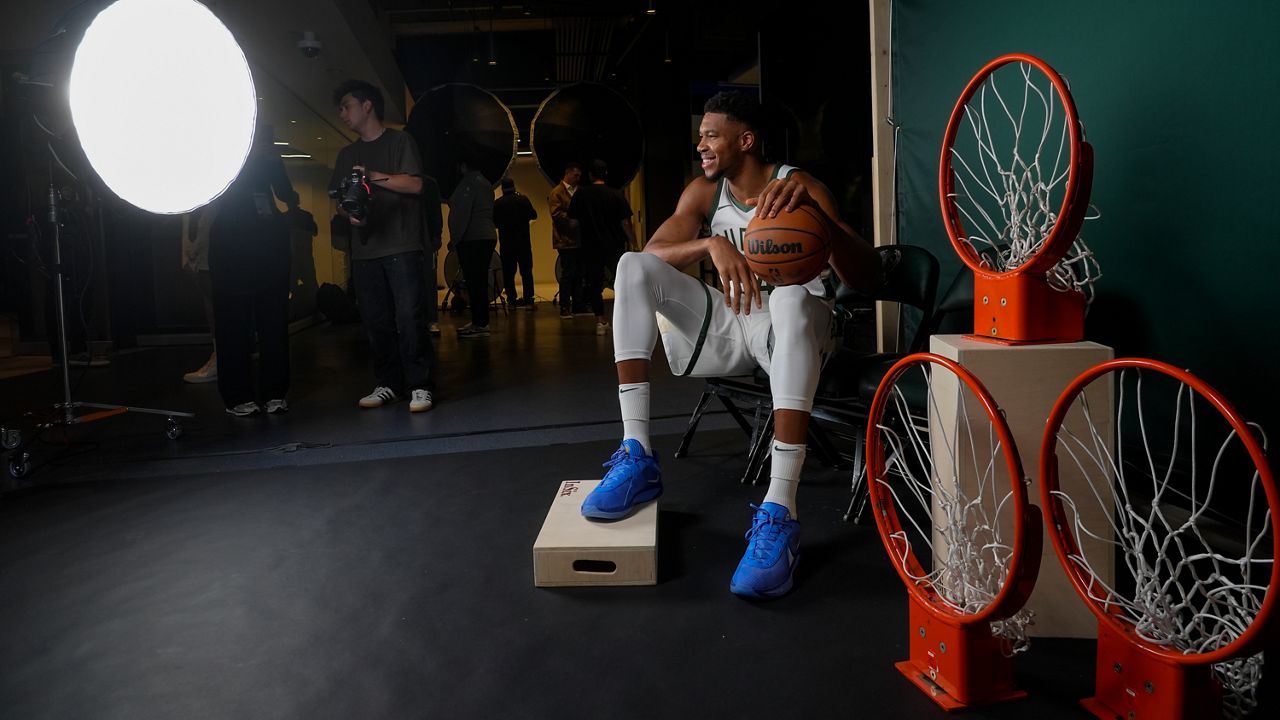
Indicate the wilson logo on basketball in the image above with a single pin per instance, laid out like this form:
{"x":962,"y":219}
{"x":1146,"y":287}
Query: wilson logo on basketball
{"x":790,"y":248}
{"x":769,"y":247}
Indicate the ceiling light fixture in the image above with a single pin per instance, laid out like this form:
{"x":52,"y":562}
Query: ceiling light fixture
{"x":651,"y":10}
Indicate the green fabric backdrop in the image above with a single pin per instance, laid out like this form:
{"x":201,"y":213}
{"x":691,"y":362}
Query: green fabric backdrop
{"x":1180,"y":101}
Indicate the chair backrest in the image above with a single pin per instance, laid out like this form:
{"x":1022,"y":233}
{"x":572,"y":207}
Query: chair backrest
{"x":910,"y":277}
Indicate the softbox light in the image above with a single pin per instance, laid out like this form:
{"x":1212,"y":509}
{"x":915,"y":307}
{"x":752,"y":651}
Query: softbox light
{"x":163,"y":103}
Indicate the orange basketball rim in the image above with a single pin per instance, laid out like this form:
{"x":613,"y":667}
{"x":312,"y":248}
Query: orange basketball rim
{"x":1180,"y":635}
{"x":930,"y":515}
{"x":1020,"y":178}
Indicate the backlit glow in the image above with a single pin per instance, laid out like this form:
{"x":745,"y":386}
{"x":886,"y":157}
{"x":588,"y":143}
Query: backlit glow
{"x":163,"y":102}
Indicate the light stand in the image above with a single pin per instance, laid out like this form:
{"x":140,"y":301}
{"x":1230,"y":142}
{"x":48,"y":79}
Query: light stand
{"x":65,"y":412}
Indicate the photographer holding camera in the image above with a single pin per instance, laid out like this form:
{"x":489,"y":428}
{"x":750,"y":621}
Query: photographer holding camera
{"x":377,"y":181}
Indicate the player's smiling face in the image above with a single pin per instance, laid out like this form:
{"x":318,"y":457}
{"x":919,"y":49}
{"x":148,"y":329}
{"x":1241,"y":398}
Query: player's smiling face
{"x":720,"y":144}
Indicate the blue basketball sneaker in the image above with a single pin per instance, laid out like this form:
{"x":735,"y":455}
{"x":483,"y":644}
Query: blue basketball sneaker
{"x":773,"y":551}
{"x":633,"y":478}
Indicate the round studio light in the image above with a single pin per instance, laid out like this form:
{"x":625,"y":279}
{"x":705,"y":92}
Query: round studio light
{"x":163,"y":102}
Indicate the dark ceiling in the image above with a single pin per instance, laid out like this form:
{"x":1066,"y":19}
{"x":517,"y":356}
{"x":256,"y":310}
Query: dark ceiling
{"x":521,"y":52}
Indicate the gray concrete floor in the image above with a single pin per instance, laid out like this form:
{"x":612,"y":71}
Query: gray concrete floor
{"x":338,"y":562}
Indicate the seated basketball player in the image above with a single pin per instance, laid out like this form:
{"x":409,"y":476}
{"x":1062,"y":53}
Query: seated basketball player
{"x":709,"y":333}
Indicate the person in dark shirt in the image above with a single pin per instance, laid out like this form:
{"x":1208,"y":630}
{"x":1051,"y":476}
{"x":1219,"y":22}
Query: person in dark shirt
{"x":512,"y":214}
{"x":249,"y":266}
{"x":472,"y":232}
{"x":387,"y":258}
{"x":604,"y":229}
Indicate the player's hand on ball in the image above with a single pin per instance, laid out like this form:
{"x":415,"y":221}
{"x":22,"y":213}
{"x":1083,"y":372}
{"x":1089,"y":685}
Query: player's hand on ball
{"x":781,"y":195}
{"x":741,"y":287}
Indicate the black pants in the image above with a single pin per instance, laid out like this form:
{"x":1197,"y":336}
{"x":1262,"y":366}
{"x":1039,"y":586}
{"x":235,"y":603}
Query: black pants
{"x":430,"y":290}
{"x":596,"y":266}
{"x":474,"y":256}
{"x":389,"y":291}
{"x":517,"y":253}
{"x":238,"y":312}
{"x":572,"y":278}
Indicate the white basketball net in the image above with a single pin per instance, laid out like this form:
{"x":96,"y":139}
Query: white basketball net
{"x":1011,"y":172}
{"x":945,"y":469}
{"x":1192,"y":572}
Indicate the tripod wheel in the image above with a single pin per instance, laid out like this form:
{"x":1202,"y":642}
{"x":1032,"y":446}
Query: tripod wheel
{"x":10,"y":439}
{"x":174,"y":430}
{"x":20,"y":465}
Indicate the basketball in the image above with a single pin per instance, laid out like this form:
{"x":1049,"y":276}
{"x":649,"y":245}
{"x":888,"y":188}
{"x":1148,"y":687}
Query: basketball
{"x":790,"y":249}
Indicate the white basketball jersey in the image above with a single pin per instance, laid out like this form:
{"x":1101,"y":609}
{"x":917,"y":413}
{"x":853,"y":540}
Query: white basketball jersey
{"x":729,"y":218}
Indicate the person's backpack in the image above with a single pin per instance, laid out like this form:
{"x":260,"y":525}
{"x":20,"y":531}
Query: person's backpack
{"x":333,"y":303}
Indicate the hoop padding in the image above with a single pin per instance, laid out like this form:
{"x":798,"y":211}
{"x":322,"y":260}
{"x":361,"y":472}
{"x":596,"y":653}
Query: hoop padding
{"x":1191,"y":603}
{"x":983,"y":538}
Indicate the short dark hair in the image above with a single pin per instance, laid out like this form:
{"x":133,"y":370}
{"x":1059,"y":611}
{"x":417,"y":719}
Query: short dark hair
{"x":738,"y":106}
{"x":599,"y":169}
{"x":572,"y":165}
{"x":361,"y":91}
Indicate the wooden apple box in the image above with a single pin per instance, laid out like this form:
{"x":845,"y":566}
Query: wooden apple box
{"x":1025,"y":381}
{"x":574,"y":551}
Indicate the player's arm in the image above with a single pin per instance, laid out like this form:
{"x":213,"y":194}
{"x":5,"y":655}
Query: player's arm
{"x":676,"y":241}
{"x":854,"y":259}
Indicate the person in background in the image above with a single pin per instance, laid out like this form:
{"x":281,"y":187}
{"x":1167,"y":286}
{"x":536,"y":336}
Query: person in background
{"x":472,"y":232}
{"x":564,"y":238}
{"x":604,"y":230}
{"x":249,"y":256}
{"x":387,"y":257}
{"x":512,"y":214}
{"x":433,"y":223}
{"x":195,"y":260}
{"x":302,"y":279}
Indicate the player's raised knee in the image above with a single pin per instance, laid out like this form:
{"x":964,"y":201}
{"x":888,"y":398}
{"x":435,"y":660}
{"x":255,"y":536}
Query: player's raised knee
{"x":634,"y":266}
{"x":790,"y":298}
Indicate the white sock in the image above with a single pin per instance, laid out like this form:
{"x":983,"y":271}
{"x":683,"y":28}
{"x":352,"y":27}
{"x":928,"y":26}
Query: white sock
{"x":633,"y":398}
{"x":784,"y":474}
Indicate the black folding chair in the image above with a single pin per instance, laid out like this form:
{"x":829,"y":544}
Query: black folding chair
{"x":909,"y":277}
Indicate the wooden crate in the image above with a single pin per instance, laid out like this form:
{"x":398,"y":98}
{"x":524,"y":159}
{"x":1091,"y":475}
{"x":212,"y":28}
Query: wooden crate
{"x":574,"y":551}
{"x":1025,"y":381}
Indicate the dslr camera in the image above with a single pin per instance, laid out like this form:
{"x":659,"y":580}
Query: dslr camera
{"x":353,"y":195}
